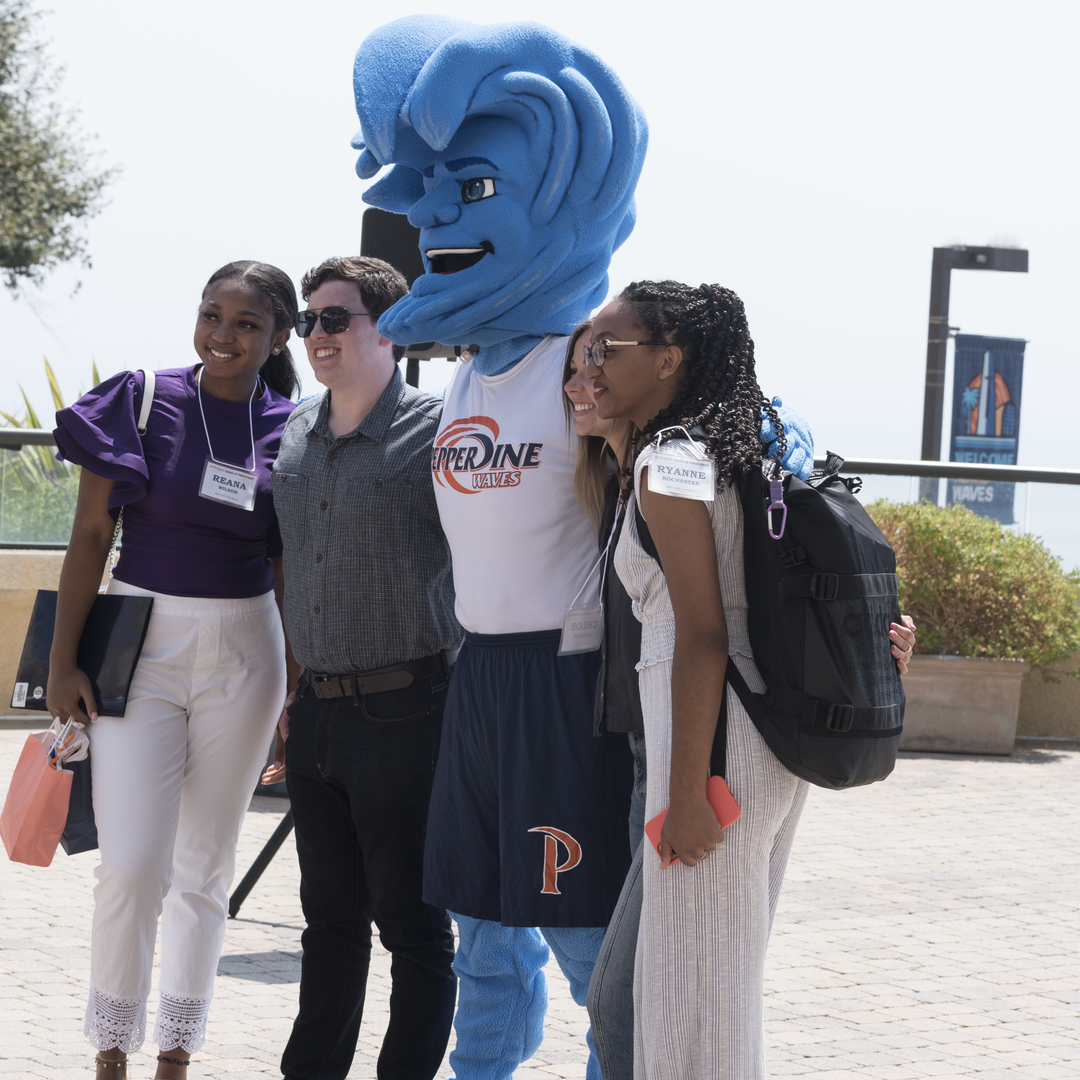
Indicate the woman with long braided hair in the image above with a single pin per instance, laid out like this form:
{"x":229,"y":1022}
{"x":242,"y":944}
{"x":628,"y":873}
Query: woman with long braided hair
{"x":687,"y":361}
{"x":678,"y":362}
{"x":719,"y":391}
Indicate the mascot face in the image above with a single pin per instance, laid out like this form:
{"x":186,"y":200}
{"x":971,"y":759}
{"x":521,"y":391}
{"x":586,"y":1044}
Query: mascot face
{"x":476,"y":236}
{"x":516,"y":154}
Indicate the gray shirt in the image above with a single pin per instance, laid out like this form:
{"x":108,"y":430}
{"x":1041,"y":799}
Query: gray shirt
{"x":368,"y":581}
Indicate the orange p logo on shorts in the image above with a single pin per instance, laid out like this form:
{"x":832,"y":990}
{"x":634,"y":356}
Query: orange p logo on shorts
{"x":552,"y":867}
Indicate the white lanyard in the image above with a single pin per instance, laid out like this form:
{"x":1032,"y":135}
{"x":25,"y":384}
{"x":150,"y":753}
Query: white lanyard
{"x":682,"y":468}
{"x":583,"y":628}
{"x":221,"y":482}
{"x":251,"y":422}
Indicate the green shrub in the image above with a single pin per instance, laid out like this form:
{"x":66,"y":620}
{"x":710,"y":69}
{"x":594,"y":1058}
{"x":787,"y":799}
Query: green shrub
{"x":37,"y":499}
{"x":37,"y":492}
{"x":975,"y":589}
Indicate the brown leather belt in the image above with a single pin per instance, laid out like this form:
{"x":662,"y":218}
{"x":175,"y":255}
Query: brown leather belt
{"x":394,"y":677}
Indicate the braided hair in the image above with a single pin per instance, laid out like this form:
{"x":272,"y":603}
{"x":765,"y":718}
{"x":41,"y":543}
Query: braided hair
{"x":720,"y":392}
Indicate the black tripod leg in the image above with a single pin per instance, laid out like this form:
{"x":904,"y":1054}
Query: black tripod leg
{"x":260,"y":864}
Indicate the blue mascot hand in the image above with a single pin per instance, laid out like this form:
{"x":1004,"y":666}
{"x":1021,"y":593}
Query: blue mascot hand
{"x":799,"y":458}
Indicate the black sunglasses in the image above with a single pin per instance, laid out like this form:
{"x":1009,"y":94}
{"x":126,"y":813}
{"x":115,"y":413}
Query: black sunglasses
{"x":335,"y":320}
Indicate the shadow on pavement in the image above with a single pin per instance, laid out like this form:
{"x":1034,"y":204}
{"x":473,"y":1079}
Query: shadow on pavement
{"x":264,"y":967}
{"x":1022,"y":755}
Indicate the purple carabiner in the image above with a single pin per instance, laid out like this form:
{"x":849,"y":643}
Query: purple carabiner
{"x":776,"y":493}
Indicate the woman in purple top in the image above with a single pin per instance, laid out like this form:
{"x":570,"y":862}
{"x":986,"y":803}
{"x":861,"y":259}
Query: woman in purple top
{"x":173,"y":776}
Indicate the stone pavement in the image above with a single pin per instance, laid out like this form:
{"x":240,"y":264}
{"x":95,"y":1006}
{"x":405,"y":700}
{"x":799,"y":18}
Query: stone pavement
{"x":929,"y":926}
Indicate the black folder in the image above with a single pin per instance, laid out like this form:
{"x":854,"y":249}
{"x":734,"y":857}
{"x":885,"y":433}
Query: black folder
{"x":108,"y":650}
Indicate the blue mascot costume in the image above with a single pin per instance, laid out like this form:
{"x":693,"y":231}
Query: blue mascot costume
{"x":516,"y":153}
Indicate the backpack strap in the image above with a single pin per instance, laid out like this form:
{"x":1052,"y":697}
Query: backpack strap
{"x":837,"y":586}
{"x":812,"y":711}
{"x":149,"y":385}
{"x":645,"y":537}
{"x":835,"y":717}
{"x":751,"y":702}
{"x":718,"y":757}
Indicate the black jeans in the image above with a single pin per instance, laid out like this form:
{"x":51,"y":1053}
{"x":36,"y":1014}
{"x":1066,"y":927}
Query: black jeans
{"x":359,"y":779}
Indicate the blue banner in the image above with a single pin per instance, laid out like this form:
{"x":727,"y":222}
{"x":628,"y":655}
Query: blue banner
{"x":987,"y":384}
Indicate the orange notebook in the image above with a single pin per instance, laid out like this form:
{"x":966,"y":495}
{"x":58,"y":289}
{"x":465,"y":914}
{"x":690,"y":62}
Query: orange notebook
{"x":720,"y":799}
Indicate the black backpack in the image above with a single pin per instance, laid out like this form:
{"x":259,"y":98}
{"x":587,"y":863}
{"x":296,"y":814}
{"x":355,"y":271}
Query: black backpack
{"x":821,"y":588}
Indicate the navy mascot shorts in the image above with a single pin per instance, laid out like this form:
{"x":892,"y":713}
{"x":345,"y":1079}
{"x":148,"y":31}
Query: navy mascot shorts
{"x":527,"y":824}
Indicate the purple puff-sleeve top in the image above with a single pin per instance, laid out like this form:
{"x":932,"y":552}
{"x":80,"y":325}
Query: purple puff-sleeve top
{"x":175,"y":541}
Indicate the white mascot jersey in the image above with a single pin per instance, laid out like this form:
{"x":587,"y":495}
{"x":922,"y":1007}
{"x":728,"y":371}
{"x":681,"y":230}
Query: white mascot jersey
{"x":503,"y":468}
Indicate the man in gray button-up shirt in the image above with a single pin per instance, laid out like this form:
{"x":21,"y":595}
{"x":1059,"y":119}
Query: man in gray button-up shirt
{"x":369,"y":611}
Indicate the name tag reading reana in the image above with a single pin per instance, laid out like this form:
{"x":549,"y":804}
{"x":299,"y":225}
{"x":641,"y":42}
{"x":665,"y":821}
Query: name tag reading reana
{"x":229,"y":484}
{"x":682,"y":468}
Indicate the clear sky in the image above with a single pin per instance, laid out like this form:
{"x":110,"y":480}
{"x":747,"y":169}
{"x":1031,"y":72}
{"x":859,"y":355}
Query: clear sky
{"x":809,"y":156}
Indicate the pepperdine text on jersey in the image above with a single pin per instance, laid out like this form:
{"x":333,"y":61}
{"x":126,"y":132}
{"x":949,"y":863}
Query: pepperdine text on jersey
{"x":470,"y":446}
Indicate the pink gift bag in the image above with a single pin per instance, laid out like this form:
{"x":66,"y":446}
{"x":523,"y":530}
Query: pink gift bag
{"x":36,"y":808}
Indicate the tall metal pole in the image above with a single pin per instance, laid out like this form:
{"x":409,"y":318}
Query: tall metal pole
{"x":937,"y":340}
{"x":1010,"y":260}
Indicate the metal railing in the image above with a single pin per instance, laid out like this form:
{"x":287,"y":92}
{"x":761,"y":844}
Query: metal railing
{"x":1053,"y":516}
{"x":16,"y":438}
{"x":957,"y":470}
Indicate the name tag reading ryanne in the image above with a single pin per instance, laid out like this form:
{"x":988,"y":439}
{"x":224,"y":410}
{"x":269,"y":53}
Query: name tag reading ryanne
{"x":229,"y":484}
{"x":682,"y":468}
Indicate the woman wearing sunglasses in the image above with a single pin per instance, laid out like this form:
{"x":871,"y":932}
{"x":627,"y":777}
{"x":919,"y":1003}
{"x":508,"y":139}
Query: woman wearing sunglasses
{"x":172,"y":778}
{"x":666,"y":356}
{"x":599,"y":484}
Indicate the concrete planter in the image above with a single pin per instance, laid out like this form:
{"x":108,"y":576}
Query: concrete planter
{"x":962,"y":704}
{"x":22,"y":573}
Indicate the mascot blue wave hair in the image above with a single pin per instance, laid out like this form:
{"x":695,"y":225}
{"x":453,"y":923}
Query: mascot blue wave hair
{"x":533,"y":222}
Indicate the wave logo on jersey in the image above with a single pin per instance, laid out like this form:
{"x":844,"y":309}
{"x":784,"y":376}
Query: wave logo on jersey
{"x":552,"y":867}
{"x":468,"y":457}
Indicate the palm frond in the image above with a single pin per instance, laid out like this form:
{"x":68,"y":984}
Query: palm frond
{"x":31,"y":416}
{"x":54,"y":386}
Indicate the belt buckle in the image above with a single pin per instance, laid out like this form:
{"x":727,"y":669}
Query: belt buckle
{"x":325,"y":687}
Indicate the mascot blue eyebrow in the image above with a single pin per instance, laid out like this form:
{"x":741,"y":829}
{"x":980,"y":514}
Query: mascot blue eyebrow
{"x":516,"y":153}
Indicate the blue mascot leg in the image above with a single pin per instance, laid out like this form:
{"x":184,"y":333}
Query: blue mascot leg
{"x":502,"y":998}
{"x":576,"y":949}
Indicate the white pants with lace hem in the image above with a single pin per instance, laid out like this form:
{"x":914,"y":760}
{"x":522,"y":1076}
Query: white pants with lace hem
{"x":171,"y":782}
{"x":112,"y":1022}
{"x":181,"y":1023}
